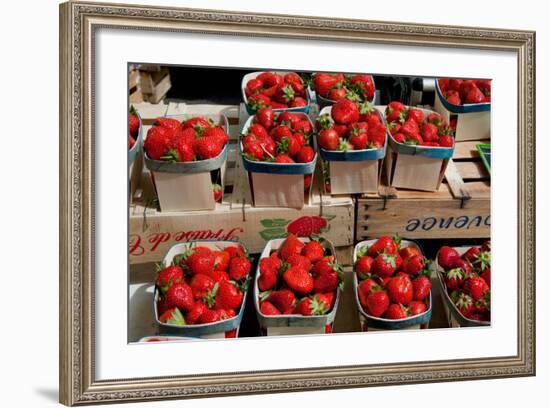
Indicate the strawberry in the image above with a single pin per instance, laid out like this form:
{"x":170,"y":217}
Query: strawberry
{"x":218,"y":193}
{"x":446,"y":141}
{"x":298,"y":102}
{"x":363,"y":266}
{"x":235,"y":251}
{"x":454,"y":278}
{"x":283,"y":159}
{"x":254,"y":151}
{"x":131,"y":141}
{"x":325,"y":265}
{"x":413,"y":265}
{"x":180,"y":295}
{"x":421,"y":287}
{"x":326,"y":282}
{"x":133,"y":125}
{"x":474,"y":95}
{"x":300,"y":261}
{"x":272,"y":262}
{"x":200,"y":285}
{"x":201,"y":260}
{"x":400,"y":289}
{"x":365,"y":84}
{"x":336,"y":94}
{"x":239,"y":268}
{"x":267,"y":308}
{"x":417,"y":307}
{"x":157,"y":142}
{"x":291,"y":246}
{"x":471,"y":254}
{"x":162,"y":306}
{"x":267,"y":279}
{"x":172,"y":316}
{"x":217,"y":133}
{"x":328,"y":299}
{"x":221,"y":260}
{"x":486,"y":246}
{"x":478,"y":317}
{"x":345,"y":112}
{"x":465,"y":304}
{"x":464,"y":265}
{"x":415,"y":114}
{"x":384,"y":265}
{"x":377,"y":136}
{"x":365,"y":288}
{"x":283,"y":299}
{"x":193,"y":316}
{"x":306,"y":154}
{"x":228,"y":296}
{"x":486,"y":275}
{"x":396,"y":312}
{"x":483,"y":305}
{"x":476,"y":287}
{"x":253,"y":85}
{"x":302,"y":126}
{"x":206,"y":148}
{"x":453,"y":97}
{"x":307,"y":225}
{"x":168,"y":123}
{"x":311,"y":307}
{"x":313,"y":251}
{"x":359,"y":140}
{"x":328,"y":139}
{"x":446,"y":257}
{"x":408,"y":252}
{"x":384,"y":244}
{"x":218,"y":276}
{"x":265,"y":117}
{"x":258,"y":101}
{"x":377,"y":303}
{"x":393,"y":110}
{"x":429,"y":132}
{"x":197,"y":123}
{"x":298,"y":280}
{"x":210,"y":316}
{"x":168,"y":276}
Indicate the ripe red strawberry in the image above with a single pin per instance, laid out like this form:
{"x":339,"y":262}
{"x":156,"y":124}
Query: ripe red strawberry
{"x":307,"y":225}
{"x":298,"y":102}
{"x":465,"y":304}
{"x":311,"y":307}
{"x":298,"y":280}
{"x":302,"y":126}
{"x":474,"y":95}
{"x":267,"y":279}
{"x":363,"y":266}
{"x":396,"y":311}
{"x":228,"y":296}
{"x":300,"y":261}
{"x":476,"y":287}
{"x":328,"y":139}
{"x":478,"y":317}
{"x":157,"y":142}
{"x":267,"y":308}
{"x":221,"y":260}
{"x":413,"y":265}
{"x":408,"y":252}
{"x":201,"y":260}
{"x":235,"y":251}
{"x":217,"y":133}
{"x":377,"y":303}
{"x":239,"y":268}
{"x":383,"y":244}
{"x":416,"y":308}
{"x":393,"y":111}
{"x":210,"y":316}
{"x":218,"y":276}
{"x":486,"y":246}
{"x":198,"y":123}
{"x":384,"y":265}
{"x":200,"y":285}
{"x":325,"y":265}
{"x":421,"y":287}
{"x":483,"y":305}
{"x":306,"y":154}
{"x":471,"y":254}
{"x":446,"y":257}
{"x":169,"y":123}
{"x":453,"y":97}
{"x":324,"y":82}
{"x":133,"y":125}
{"x":168,"y":276}
{"x":415,"y":114}
{"x":283,"y":159}
{"x":291,"y":246}
{"x":253,"y":85}
{"x":254,"y":151}
{"x":400,"y":289}
{"x":446,"y":141}
{"x":365,"y":288}
{"x":272,"y":262}
{"x":172,"y":316}
{"x":336,"y":94}
{"x":314,"y":251}
{"x":218,"y":193}
{"x":265,"y":117}
{"x":327,"y":299}
{"x":464,"y":265}
{"x":180,"y":295}
{"x":193,"y":316}
{"x":206,"y":148}
{"x":486,"y":275}
{"x":359,"y":140}
{"x":162,"y":306}
{"x":454,"y":278}
{"x":283,"y":299}
{"x":429,"y":132}
{"x":326,"y":282}
{"x":345,"y":112}
{"x":377,"y":136}
{"x":365,"y":84}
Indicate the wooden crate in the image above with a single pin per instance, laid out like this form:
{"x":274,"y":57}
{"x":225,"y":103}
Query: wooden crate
{"x":149,"y":84}
{"x":153,"y":232}
{"x":460,"y":208}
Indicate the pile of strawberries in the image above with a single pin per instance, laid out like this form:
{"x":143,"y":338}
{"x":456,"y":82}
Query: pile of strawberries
{"x":298,"y":278}
{"x":279,"y":137}
{"x":202,"y":286}
{"x":335,"y":87}
{"x":410,"y":126}
{"x":133,"y":126}
{"x":270,"y":89}
{"x":351,"y":127}
{"x":465,"y":91}
{"x":394,"y":282}
{"x":193,"y":139}
{"x":468,"y":280}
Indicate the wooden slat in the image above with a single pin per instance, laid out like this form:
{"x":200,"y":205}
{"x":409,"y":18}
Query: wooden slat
{"x":467,"y":149}
{"x":455,"y":182}
{"x":472,"y":170}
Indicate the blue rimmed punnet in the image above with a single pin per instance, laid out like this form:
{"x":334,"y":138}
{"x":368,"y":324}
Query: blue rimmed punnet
{"x":464,"y":108}
{"x":380,"y":322}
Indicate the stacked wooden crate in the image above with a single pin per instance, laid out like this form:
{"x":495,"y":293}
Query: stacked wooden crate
{"x":148,"y":83}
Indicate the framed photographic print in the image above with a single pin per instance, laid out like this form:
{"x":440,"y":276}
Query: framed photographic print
{"x":257,"y":203}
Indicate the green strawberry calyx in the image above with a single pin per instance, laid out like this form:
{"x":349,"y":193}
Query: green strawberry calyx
{"x":176,"y":318}
{"x":210,"y":297}
{"x":263,"y":296}
{"x":388,"y":258}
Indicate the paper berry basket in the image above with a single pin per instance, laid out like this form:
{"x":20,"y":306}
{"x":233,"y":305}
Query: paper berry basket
{"x":352,"y":171}
{"x":135,"y":159}
{"x":133,"y":152}
{"x":323,"y":102}
{"x":293,"y":323}
{"x":253,"y":75}
{"x":221,"y":329}
{"x":174,"y":181}
{"x":371,"y":323}
{"x":416,"y":167}
{"x":456,"y":319}
{"x":473,"y":121}
{"x":278,"y":184}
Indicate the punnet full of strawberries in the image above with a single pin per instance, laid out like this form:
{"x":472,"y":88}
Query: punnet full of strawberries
{"x":202,"y":285}
{"x":394,"y":281}
{"x":350,"y":126}
{"x":467,"y":280}
{"x":193,"y":139}
{"x":298,"y":278}
{"x":335,"y":87}
{"x":465,"y":91}
{"x":283,"y":137}
{"x":276,"y":90}
{"x":133,"y":127}
{"x":411,"y":126}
